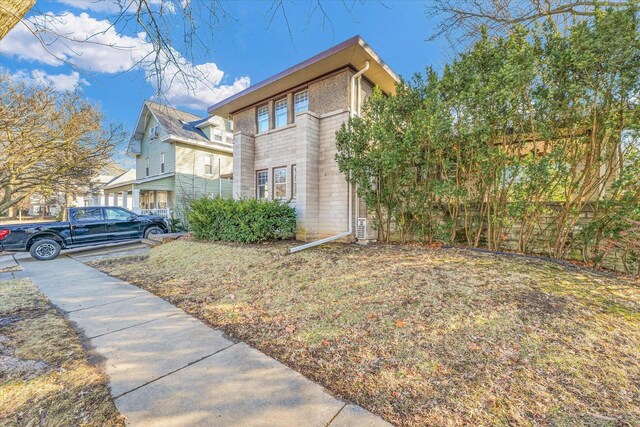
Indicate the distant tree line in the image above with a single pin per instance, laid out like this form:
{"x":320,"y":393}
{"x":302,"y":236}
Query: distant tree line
{"x":532,"y":134}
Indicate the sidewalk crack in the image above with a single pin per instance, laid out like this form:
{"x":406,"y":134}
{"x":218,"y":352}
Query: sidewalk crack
{"x":103,"y":304}
{"x":337,"y":413}
{"x":173,"y":372}
{"x":133,"y":326}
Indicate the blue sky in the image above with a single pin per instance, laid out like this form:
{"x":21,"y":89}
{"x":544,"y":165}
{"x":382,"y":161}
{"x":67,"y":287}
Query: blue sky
{"x":244,"y":49}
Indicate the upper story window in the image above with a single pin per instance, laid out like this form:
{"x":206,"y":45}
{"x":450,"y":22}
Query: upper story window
{"x":280,"y":183}
{"x":281,"y":112}
{"x":161,"y":162}
{"x":263,"y":118}
{"x":146,"y":168}
{"x":262,"y":192}
{"x":301,"y":101}
{"x":208,"y":165}
{"x":217,"y":134}
{"x":153,"y":132}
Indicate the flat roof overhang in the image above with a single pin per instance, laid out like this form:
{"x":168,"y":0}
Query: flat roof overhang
{"x":353,"y":52}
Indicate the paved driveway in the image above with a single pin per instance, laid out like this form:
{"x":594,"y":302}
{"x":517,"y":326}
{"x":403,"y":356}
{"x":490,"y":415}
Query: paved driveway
{"x":167,"y":368}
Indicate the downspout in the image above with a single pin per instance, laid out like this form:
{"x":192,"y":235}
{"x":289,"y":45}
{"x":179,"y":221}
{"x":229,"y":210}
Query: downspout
{"x":352,"y":113}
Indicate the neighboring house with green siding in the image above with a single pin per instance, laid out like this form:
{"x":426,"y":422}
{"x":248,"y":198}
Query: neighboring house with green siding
{"x":179,"y":157}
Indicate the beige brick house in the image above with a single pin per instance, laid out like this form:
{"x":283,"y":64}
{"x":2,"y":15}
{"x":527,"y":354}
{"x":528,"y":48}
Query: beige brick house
{"x":284,"y":142}
{"x":179,"y":156}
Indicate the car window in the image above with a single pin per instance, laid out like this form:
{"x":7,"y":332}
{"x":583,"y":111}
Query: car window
{"x":117,"y":214}
{"x":88,"y":214}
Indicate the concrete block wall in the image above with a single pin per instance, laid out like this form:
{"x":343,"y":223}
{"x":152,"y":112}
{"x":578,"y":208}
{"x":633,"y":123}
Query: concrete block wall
{"x":309,"y":143}
{"x":308,"y":169}
{"x":333,"y":189}
{"x":244,"y":184}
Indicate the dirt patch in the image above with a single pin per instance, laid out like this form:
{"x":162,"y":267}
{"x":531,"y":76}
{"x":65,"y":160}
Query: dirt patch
{"x":45,"y":378}
{"x":420,"y":336}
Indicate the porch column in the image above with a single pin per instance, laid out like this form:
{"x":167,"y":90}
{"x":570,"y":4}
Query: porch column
{"x":124,"y":199}
{"x":155,"y":199}
{"x":135,"y":200}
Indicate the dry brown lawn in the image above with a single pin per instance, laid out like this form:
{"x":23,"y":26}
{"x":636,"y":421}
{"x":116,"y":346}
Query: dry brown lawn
{"x":420,"y":336}
{"x":45,"y":377}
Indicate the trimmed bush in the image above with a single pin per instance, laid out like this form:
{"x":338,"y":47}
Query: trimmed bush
{"x":244,"y":221}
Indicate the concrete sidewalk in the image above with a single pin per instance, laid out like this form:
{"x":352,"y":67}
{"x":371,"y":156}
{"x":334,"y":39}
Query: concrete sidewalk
{"x":167,"y":368}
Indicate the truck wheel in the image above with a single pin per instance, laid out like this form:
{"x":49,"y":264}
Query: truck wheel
{"x":45,"y":249}
{"x":152,"y":230}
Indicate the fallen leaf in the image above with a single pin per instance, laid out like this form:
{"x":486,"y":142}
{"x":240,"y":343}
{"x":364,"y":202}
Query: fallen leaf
{"x":325,"y":343}
{"x":473,"y":346}
{"x":290,"y":329}
{"x":401,"y":323}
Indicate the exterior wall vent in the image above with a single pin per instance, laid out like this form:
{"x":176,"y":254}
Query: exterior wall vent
{"x":361,"y":230}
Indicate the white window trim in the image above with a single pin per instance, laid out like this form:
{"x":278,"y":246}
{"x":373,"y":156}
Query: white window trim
{"x":278,"y":110}
{"x":208,"y":163}
{"x":265,"y":185}
{"x":295,"y":101}
{"x":266,"y":109}
{"x":284,"y":184}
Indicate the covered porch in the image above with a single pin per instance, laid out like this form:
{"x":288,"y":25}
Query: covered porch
{"x":156,"y":202}
{"x":154,"y":195}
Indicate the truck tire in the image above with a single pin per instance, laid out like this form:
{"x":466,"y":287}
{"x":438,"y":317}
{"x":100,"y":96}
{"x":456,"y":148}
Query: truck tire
{"x":152,"y":230}
{"x":45,"y":249}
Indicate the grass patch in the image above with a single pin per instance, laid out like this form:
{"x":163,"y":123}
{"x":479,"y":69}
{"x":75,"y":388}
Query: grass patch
{"x":45,"y":378}
{"x":420,"y":336}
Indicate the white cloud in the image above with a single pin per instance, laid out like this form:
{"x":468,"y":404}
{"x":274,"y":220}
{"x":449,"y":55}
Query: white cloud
{"x":193,"y":86}
{"x":88,"y":43}
{"x":94,"y":45}
{"x":60,"y":82}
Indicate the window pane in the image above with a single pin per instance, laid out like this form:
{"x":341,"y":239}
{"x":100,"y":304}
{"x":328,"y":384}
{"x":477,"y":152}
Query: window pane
{"x":301,"y":101}
{"x":88,"y":215}
{"x":280,"y":183}
{"x":263,"y":118}
{"x":261,"y":184}
{"x":281,"y":112}
{"x":117,"y":214}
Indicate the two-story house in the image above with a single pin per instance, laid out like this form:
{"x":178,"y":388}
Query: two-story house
{"x":284,"y":142}
{"x":179,"y":157}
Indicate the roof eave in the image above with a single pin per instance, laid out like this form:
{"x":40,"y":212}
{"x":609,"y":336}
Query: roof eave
{"x":227,"y":106}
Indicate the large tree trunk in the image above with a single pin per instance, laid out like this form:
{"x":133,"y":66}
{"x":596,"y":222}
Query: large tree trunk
{"x":11,"y":12}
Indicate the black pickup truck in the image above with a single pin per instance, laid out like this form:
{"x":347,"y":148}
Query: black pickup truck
{"x":86,"y":226}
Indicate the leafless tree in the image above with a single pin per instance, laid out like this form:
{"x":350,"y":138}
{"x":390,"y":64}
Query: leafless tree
{"x":49,"y":141}
{"x":174,"y":30}
{"x":463,"y":20}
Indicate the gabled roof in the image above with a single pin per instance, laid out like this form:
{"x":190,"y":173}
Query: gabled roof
{"x":353,"y":52}
{"x":178,"y":125}
{"x":126,"y":178}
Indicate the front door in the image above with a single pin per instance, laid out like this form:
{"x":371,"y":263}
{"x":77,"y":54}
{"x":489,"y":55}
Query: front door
{"x":121,"y":224}
{"x":87,"y":225}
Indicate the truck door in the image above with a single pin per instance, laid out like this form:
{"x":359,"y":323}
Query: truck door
{"x":87,"y":225}
{"x":121,"y":224}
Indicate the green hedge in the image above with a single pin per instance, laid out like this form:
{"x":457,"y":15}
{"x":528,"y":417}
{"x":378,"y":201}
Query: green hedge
{"x":245,"y":221}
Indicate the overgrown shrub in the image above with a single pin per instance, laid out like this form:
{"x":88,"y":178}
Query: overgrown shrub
{"x":244,"y":221}
{"x":512,"y":142}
